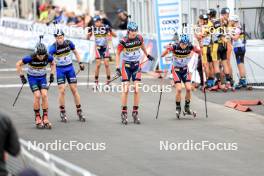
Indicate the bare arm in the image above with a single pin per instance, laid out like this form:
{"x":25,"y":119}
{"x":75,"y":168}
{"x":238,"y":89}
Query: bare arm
{"x":52,"y":66}
{"x":77,"y":55}
{"x":164,"y":53}
{"x":113,"y":34}
{"x":19,"y":65}
{"x":144,"y":49}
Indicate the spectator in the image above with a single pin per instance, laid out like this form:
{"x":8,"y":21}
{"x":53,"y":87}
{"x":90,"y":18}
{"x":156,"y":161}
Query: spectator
{"x":80,"y":21}
{"x":4,"y":3}
{"x":58,"y":15}
{"x":123,"y":19}
{"x":64,"y":16}
{"x":72,"y":19}
{"x":8,"y":142}
{"x":104,"y":18}
{"x":43,"y":13}
{"x":88,"y":20}
{"x":14,"y":6}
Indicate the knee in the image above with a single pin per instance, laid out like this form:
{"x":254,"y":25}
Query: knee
{"x":106,"y":65}
{"x":74,"y":91}
{"x":37,"y":96}
{"x":178,"y":91}
{"x":136,"y":92}
{"x":62,"y":92}
{"x":98,"y":64}
{"x":44,"y":95}
{"x":188,"y":89}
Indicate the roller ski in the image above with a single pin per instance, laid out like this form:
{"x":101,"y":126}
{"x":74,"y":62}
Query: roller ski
{"x":96,"y":85}
{"x":135,"y":117}
{"x":242,"y":84}
{"x":38,"y":121}
{"x":229,"y":86}
{"x":124,"y":118}
{"x":63,"y":117}
{"x":46,"y":123}
{"x":178,"y":112}
{"x":80,"y":115}
{"x":108,"y":84}
{"x":188,"y":111}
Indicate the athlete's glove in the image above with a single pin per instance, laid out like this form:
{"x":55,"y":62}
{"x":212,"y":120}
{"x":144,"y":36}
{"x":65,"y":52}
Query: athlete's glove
{"x":51,"y":80}
{"x":118,"y":72}
{"x":81,"y":66}
{"x":23,"y":79}
{"x":150,"y":57}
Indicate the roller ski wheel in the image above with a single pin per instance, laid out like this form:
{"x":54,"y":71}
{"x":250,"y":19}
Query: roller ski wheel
{"x":39,"y":123}
{"x":80,"y":115}
{"x":178,"y":113}
{"x":46,"y":123}
{"x":213,"y":89}
{"x":96,"y":85}
{"x":63,"y":117}
{"x":135,"y":117}
{"x":124,"y":118}
{"x":192,"y":113}
{"x":189,"y":112}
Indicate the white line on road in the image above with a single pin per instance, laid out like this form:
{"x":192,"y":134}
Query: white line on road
{"x":53,"y":85}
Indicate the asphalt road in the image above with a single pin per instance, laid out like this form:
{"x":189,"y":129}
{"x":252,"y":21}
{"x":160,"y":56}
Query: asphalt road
{"x":135,"y":149}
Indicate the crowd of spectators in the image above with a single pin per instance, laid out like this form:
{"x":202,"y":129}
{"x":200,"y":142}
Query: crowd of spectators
{"x":48,"y":13}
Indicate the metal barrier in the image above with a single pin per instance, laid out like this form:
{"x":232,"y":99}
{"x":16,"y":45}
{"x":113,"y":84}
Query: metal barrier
{"x":45,"y":163}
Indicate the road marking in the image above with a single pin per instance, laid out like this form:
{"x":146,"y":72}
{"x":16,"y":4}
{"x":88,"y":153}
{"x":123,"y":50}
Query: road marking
{"x":52,"y":85}
{"x":11,"y":69}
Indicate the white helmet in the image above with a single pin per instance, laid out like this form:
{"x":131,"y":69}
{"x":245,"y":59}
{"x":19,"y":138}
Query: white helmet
{"x":234,"y":18}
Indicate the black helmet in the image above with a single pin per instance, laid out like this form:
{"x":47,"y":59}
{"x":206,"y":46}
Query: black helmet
{"x":225,"y":10}
{"x":40,"y":49}
{"x":58,"y":32}
{"x":211,"y":12}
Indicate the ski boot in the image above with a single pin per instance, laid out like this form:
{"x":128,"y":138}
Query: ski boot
{"x":243,"y":84}
{"x":210,"y":85}
{"x":80,"y":115}
{"x":178,"y":112}
{"x":135,"y":117}
{"x":38,"y":121}
{"x":63,"y":116}
{"x":188,"y":111}
{"x":45,"y":121}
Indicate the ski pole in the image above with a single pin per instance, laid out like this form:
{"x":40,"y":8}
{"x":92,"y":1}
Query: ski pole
{"x":18,"y":95}
{"x":161,"y":91}
{"x":88,"y":78}
{"x":204,"y":91}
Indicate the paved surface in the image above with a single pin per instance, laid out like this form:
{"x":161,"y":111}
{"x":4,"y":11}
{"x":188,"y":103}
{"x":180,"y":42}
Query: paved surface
{"x":135,"y":149}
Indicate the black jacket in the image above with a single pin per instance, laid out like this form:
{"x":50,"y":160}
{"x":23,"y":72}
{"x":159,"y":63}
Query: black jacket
{"x":8,"y":141}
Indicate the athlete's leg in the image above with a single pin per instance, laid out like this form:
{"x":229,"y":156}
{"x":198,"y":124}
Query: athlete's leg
{"x":97,"y":69}
{"x":62,"y":95}
{"x":37,"y":96}
{"x":107,"y":69}
{"x":44,"y":96}
{"x":75,"y":93}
